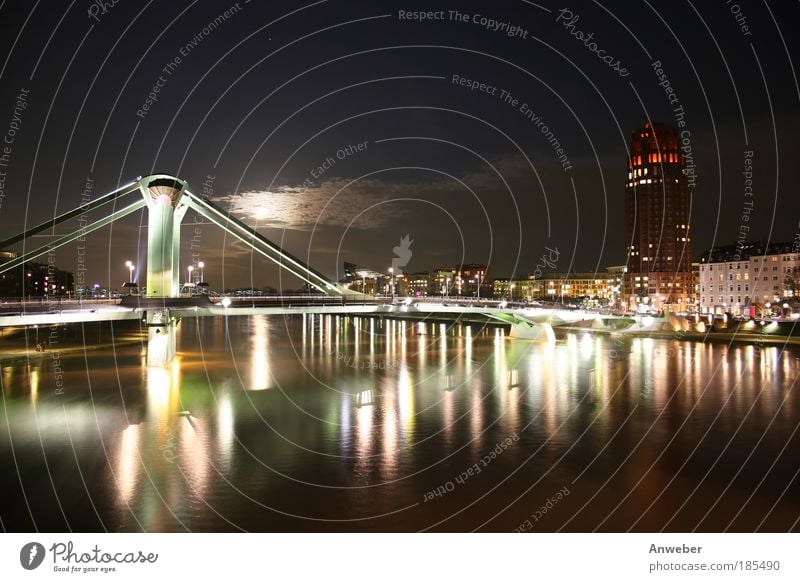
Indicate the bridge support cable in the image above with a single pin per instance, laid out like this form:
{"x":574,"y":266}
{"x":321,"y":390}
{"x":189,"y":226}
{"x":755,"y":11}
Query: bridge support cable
{"x":61,"y":241}
{"x":256,"y":241}
{"x":77,"y":212}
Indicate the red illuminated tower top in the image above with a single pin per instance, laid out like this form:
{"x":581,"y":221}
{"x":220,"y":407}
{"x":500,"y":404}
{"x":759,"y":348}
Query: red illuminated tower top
{"x":652,"y":146}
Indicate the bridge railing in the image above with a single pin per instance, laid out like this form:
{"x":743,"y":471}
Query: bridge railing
{"x":305,"y":299}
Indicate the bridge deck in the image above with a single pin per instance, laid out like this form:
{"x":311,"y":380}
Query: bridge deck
{"x":75,"y":312}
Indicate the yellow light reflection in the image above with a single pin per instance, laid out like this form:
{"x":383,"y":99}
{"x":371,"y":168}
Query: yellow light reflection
{"x":535,"y":375}
{"x":476,"y":419}
{"x":127,"y":474}
{"x":586,"y":346}
{"x":448,"y":413}
{"x":305,"y":337}
{"x":357,"y":340}
{"x":405,"y":403}
{"x":310,"y":339}
{"x":162,"y":391}
{"x":442,"y":346}
{"x":364,"y":418}
{"x":372,"y":337}
{"x":260,"y":373}
{"x":328,"y":333}
{"x":389,"y":437}
{"x":7,"y":378}
{"x":512,"y":405}
{"x":513,"y":379}
{"x":422,"y":345}
{"x":194,"y":460}
{"x":468,"y":348}
{"x":178,"y":442}
{"x":34,"y":385}
{"x":163,"y":400}
{"x":225,"y":432}
{"x":403,"y":341}
{"x":390,"y":340}
{"x":344,"y":418}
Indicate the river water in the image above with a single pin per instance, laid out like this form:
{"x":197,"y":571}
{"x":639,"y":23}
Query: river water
{"x":326,"y":423}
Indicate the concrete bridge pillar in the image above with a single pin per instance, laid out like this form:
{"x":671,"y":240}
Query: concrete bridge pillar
{"x":163,"y":196}
{"x":160,"y":235}
{"x":161,"y":337}
{"x":164,"y":215}
{"x":542,"y":332}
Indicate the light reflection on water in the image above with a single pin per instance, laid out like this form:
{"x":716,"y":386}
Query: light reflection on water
{"x":321,"y":422}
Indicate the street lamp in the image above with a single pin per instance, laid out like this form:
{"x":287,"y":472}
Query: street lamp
{"x":363,"y":275}
{"x":201,"y":265}
{"x":131,"y":268}
{"x":190,"y":268}
{"x":511,"y":287}
{"x":391,"y":272}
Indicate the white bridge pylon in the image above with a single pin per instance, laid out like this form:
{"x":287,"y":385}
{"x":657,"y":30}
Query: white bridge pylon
{"x":167,"y":199}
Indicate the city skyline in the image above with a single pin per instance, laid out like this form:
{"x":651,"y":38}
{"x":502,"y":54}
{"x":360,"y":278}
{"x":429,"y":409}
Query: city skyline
{"x":657,"y":210}
{"x":665,"y":144}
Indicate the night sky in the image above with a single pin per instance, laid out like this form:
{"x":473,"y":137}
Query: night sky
{"x":268,"y":102}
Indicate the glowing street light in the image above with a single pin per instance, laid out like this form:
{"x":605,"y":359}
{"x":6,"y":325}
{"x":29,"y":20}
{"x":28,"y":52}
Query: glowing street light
{"x":201,"y":265}
{"x":391,"y":272}
{"x":363,"y":274}
{"x":131,"y":269}
{"x":190,"y":268}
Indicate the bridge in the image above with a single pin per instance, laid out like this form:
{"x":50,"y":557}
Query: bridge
{"x":167,"y":199}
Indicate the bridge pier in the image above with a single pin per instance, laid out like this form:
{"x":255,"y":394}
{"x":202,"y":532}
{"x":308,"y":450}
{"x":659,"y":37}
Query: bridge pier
{"x":163,"y":196}
{"x":161,"y":337}
{"x":165,"y":212}
{"x":533,"y":331}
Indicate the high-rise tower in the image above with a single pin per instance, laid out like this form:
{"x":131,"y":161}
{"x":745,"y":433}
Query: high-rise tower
{"x":657,"y":216}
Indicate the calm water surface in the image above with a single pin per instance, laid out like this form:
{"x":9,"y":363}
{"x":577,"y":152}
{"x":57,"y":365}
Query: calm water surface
{"x":324,"y":423}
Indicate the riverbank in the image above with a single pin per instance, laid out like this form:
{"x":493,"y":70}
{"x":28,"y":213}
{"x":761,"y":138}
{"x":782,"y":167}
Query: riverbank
{"x":715,"y":336}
